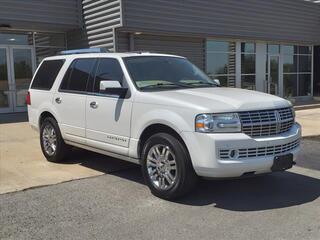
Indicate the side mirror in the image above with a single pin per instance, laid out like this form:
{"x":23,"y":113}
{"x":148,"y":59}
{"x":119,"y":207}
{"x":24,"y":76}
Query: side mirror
{"x":217,"y":81}
{"x":112,"y":88}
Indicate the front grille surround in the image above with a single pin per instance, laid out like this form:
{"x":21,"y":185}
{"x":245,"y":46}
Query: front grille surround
{"x":264,"y":123}
{"x":275,"y":150}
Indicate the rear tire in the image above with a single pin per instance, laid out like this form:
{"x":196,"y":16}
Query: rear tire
{"x":52,"y":144}
{"x":167,"y":167}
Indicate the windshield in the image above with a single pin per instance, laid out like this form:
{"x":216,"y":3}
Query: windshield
{"x":162,"y":72}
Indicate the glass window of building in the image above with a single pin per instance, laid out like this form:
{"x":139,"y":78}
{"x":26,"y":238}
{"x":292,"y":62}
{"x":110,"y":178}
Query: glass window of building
{"x":221,"y":61}
{"x":297,"y":70}
{"x":316,"y":71}
{"x":46,"y":44}
{"x":16,"y":39}
{"x":22,"y":65}
{"x":272,"y":69}
{"x":248,"y":66}
{"x":273,"y":49}
{"x":4,"y":83}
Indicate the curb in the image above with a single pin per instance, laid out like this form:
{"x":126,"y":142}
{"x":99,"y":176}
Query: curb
{"x":305,"y":107}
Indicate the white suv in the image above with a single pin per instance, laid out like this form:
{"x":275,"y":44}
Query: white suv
{"x":162,"y":112}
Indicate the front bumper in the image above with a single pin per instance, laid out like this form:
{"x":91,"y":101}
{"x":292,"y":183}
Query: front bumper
{"x":205,"y":152}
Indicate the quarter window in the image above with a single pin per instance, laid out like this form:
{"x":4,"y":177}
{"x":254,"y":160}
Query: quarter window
{"x":77,"y":75}
{"x":47,"y":74}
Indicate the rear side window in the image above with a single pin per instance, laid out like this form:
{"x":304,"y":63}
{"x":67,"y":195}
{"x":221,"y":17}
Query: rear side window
{"x":47,"y":74}
{"x":78,"y":74}
{"x":108,"y":70}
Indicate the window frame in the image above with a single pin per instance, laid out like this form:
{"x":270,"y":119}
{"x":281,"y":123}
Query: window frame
{"x":93,"y":73}
{"x":123,"y":84}
{"x":255,"y":62}
{"x":124,"y":81}
{"x":298,"y":73}
{"x":135,"y":86}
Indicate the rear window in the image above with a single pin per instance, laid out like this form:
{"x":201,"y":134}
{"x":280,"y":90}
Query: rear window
{"x":46,"y":74}
{"x":77,"y":75}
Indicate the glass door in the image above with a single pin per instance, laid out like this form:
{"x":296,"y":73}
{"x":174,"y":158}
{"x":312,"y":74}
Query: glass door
{"x":22,"y":68}
{"x":5,"y":83}
{"x":273,"y":74}
{"x":17,"y":64}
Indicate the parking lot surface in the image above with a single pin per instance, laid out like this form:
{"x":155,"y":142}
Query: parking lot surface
{"x":23,"y":166}
{"x":119,"y":206}
{"x":110,"y":201}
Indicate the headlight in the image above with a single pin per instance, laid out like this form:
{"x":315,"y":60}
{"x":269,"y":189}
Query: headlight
{"x":218,"y":123}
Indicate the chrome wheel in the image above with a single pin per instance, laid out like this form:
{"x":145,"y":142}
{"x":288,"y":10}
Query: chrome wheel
{"x":162,"y":167}
{"x":49,"y":140}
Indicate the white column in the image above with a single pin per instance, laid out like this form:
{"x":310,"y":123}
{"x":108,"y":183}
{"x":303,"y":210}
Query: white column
{"x":312,"y":70}
{"x":238,"y":64}
{"x":281,"y":72}
{"x":261,"y":59}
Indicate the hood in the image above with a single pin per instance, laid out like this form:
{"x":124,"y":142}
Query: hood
{"x":217,"y":99}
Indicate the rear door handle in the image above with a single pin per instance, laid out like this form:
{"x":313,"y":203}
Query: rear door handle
{"x":94,"y":105}
{"x":58,"y":100}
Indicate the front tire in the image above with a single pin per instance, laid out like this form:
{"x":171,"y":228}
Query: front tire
{"x":166,"y":167}
{"x":52,"y":144}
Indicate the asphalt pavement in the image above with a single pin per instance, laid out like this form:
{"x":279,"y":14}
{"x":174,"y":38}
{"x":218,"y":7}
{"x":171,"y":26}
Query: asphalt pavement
{"x":118,"y":205}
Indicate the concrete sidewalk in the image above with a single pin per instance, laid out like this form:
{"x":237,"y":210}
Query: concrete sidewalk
{"x":310,"y":121}
{"x":22,"y":164}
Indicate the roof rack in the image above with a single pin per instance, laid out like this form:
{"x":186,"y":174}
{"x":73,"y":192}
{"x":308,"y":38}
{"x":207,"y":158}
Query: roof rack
{"x":84,"y":50}
{"x":138,"y":52}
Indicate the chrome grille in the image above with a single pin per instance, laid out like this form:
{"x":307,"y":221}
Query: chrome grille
{"x":266,"y":122}
{"x":260,"y":151}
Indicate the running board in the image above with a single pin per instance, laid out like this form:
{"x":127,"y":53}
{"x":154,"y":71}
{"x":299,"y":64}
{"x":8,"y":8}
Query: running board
{"x":104,"y":152}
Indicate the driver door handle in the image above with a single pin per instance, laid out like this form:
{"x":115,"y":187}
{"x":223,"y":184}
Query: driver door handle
{"x":94,"y":105}
{"x":58,"y":100}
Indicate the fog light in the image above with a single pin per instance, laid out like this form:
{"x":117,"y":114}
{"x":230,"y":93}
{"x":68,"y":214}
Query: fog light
{"x":233,"y":154}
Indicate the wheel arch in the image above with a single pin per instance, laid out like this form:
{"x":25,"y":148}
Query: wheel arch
{"x":158,"y":128}
{"x":43,"y":116}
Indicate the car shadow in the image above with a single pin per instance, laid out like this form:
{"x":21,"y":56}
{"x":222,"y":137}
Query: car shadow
{"x":273,"y":191}
{"x":98,"y":162}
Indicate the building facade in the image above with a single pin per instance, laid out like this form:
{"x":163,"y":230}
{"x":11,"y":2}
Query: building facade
{"x":269,"y":46}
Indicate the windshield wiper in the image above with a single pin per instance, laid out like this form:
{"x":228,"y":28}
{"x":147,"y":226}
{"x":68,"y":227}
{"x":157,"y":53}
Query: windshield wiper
{"x":165,"y":85}
{"x":201,"y":82}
